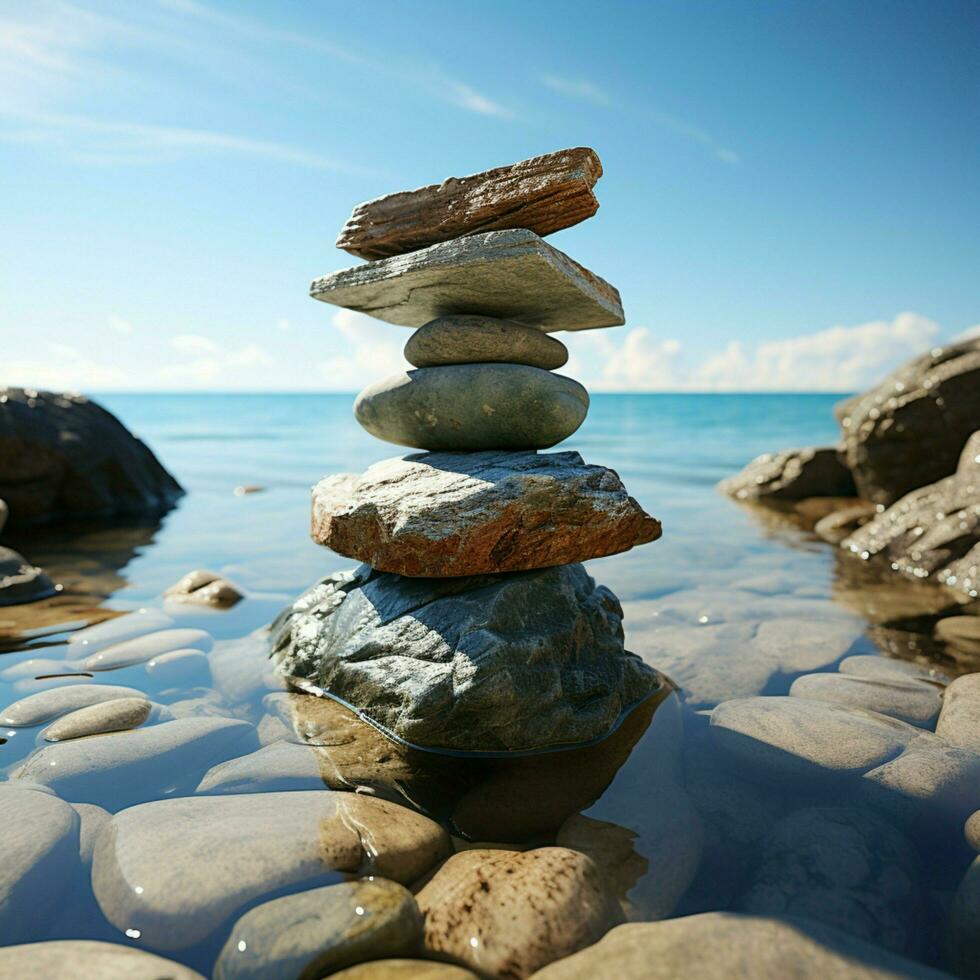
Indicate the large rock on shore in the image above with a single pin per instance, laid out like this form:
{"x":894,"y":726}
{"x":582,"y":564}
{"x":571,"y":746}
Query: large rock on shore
{"x":448,"y":514}
{"x":909,"y":430}
{"x":473,"y":407}
{"x":544,"y":194}
{"x":934,"y":532}
{"x":523,"y":661}
{"x":790,"y":475}
{"x":62,"y":455}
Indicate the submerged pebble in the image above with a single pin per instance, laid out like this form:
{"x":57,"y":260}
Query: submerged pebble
{"x":404,"y":970}
{"x":200,"y":859}
{"x":204,"y":588}
{"x":907,"y":700}
{"x":184,"y":666}
{"x":87,"y":959}
{"x":511,"y":912}
{"x":872,"y":665}
{"x":143,"y":648}
{"x":45,"y":705}
{"x":121,"y":628}
{"x":93,"y":821}
{"x":959,"y":721}
{"x":321,"y":930}
{"x":109,"y":716}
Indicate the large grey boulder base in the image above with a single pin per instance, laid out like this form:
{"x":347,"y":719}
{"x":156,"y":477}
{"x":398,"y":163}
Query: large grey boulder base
{"x":909,"y":430}
{"x":932,"y":533}
{"x":63,"y":455}
{"x":448,"y":514}
{"x":790,"y":475}
{"x":510,"y":274}
{"x":473,"y":407}
{"x":469,"y":339}
{"x":518,"y":662}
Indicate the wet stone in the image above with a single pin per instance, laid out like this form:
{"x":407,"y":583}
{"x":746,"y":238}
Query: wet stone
{"x":83,"y":958}
{"x":404,"y":970}
{"x":869,"y":665}
{"x":97,"y":719}
{"x":322,"y":930}
{"x":280,"y":766}
{"x":45,"y":705}
{"x":523,"y":909}
{"x":451,"y":514}
{"x":40,"y":854}
{"x":126,"y":768}
{"x":200,"y":860}
{"x":963,"y":934}
{"x":142,"y":648}
{"x":473,"y":407}
{"x":20,"y":581}
{"x":482,"y":339}
{"x":723,"y":945}
{"x":794,"y":474}
{"x":844,"y":867}
{"x":116,"y":630}
{"x":907,"y":700}
{"x":971,"y":831}
{"x":800,"y":738}
{"x":959,"y":721}
{"x":180,"y":667}
{"x":93,"y":820}
{"x":960,"y":632}
{"x":204,"y":588}
{"x":837,"y":525}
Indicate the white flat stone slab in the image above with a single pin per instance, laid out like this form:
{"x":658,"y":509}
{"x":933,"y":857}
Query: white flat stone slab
{"x":512,"y":274}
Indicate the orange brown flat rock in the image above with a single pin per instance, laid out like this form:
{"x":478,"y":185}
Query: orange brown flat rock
{"x":544,"y":194}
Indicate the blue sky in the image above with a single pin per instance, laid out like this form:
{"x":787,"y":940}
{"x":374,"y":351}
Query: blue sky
{"x":790,"y":201}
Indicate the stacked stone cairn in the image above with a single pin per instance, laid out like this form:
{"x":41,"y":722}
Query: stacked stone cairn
{"x":471,"y":625}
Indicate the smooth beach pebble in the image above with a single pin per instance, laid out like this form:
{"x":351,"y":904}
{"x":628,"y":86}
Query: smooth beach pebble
{"x":473,"y":339}
{"x":511,"y":912}
{"x":40,"y":854}
{"x":802,"y":738}
{"x":87,"y":960}
{"x":321,"y":930}
{"x":473,"y":407}
{"x":961,"y":632}
{"x":37,"y":667}
{"x":404,"y":970}
{"x":963,"y":934}
{"x":200,"y":859}
{"x":971,"y":831}
{"x":868,"y":665}
{"x":959,"y":721}
{"x":277,"y":767}
{"x":96,"y":719}
{"x":125,"y":768}
{"x":121,"y":628}
{"x":143,"y":648}
{"x":186,"y":666}
{"x":204,"y":588}
{"x":45,"y":705}
{"x":908,"y":700}
{"x":93,"y":821}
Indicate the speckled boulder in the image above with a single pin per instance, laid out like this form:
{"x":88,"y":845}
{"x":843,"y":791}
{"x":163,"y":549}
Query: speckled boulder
{"x":909,"y":430}
{"x":793,"y":474}
{"x":498,"y":663}
{"x":473,"y":407}
{"x":62,"y":455}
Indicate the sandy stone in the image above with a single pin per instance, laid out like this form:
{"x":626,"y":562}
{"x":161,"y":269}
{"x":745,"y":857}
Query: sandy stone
{"x":971,"y":831}
{"x":871,"y":665}
{"x":473,"y":407}
{"x":405,"y":970}
{"x":961,"y":632}
{"x":126,"y":768}
{"x":907,"y":700}
{"x":508,"y":274}
{"x":545,"y":194}
{"x":473,"y":339}
{"x":959,"y":722}
{"x":40,"y":854}
{"x":142,"y":648}
{"x":204,"y":588}
{"x":796,"y":737}
{"x":724,"y":945}
{"x":116,"y":630}
{"x":963,"y":934}
{"x":201,"y":859}
{"x":97,"y":719}
{"x":82,"y":958}
{"x":180,"y":667}
{"x":523,"y":909}
{"x":93,"y":820}
{"x":277,"y":767}
{"x":45,"y":705}
{"x":449,"y":514}
{"x":321,"y":930}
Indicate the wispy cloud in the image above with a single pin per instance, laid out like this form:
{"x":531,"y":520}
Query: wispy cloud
{"x":576,"y":88}
{"x":120,"y":325}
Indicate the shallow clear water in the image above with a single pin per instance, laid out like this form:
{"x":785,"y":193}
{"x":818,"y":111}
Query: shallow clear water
{"x":678,"y":830}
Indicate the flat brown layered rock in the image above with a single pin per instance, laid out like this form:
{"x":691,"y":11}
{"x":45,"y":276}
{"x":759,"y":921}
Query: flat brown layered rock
{"x":435,"y":515}
{"x":544,"y":194}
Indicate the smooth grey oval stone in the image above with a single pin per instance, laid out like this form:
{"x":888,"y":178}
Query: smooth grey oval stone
{"x":473,"y":407}
{"x":97,"y":719}
{"x":469,"y":339}
{"x":142,"y":648}
{"x":45,"y":705}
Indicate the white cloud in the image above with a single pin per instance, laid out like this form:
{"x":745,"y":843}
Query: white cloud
{"x":231,"y":369}
{"x":193,"y":343}
{"x":120,"y":325}
{"x":367,"y":351}
{"x":63,"y":370}
{"x":841,"y":358}
{"x":576,"y":88}
{"x":969,"y":333}
{"x":472,"y":100}
{"x":282,"y":324}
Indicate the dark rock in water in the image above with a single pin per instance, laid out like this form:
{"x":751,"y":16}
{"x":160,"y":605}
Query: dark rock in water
{"x":793,"y":474}
{"x":845,"y":867}
{"x":838,"y":524}
{"x":62,"y":455}
{"x":934,"y":532}
{"x":20,"y":581}
{"x":909,"y":430}
{"x":524,"y":661}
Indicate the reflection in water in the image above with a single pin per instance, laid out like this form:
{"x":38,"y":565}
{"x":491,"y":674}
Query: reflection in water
{"x":513,"y":800}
